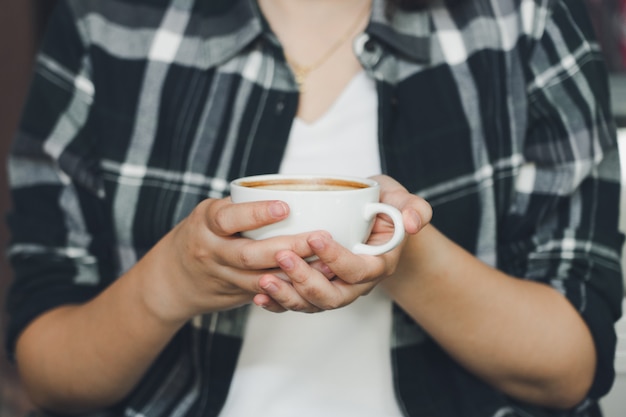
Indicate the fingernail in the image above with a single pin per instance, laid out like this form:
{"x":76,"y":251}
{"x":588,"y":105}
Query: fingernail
{"x":316,"y":243}
{"x":325,"y":269}
{"x":278,"y":209}
{"x":270,"y":287}
{"x":285,"y":262}
{"x":415,"y":218}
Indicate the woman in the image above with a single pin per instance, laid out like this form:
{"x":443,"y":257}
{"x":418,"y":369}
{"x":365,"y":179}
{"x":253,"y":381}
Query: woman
{"x":135,"y":295}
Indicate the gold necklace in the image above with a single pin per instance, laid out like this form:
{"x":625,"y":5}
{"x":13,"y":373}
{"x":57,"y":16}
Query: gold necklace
{"x":301,"y":72}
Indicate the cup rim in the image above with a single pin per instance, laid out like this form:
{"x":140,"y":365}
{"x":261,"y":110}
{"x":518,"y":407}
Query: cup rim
{"x":242,"y":181}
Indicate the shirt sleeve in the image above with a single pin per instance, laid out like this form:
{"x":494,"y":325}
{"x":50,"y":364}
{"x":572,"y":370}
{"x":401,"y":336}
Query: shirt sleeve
{"x":562,"y":227}
{"x":58,"y":228}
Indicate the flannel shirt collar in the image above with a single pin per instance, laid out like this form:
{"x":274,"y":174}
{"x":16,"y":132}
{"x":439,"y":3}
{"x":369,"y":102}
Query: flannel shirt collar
{"x":408,"y":33}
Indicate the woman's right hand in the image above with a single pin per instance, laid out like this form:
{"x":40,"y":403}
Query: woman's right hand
{"x":204,"y":265}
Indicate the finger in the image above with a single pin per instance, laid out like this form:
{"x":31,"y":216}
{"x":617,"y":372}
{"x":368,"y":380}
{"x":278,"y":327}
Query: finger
{"x":225,"y":218}
{"x":266,"y":302}
{"x":416,"y":211}
{"x":236,"y":281}
{"x":314,"y":287}
{"x":251,"y":254}
{"x":346,"y":265}
{"x":284,"y":295}
{"x":317,"y":265}
{"x":322,"y":268}
{"x":412,"y":220}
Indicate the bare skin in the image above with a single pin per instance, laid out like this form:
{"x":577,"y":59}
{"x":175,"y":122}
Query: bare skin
{"x":308,"y":29}
{"x":82,"y":357}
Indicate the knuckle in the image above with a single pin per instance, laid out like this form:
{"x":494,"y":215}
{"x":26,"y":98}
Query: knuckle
{"x":259,"y":216}
{"x":321,"y":300}
{"x":198,"y":215}
{"x":357,"y":277}
{"x":299,"y":246}
{"x":362,"y":276}
{"x":221,"y":222}
{"x":244,"y":259}
{"x":195,"y":248}
{"x":426,"y":212}
{"x":332,"y":304}
{"x":312,"y":293}
{"x":198,"y":253}
{"x":300,"y":308}
{"x":390,"y":270}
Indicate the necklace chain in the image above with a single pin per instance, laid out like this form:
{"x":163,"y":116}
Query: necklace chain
{"x":301,"y":72}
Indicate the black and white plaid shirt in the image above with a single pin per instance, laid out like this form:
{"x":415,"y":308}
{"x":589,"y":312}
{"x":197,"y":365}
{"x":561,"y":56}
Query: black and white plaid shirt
{"x":495,"y":111}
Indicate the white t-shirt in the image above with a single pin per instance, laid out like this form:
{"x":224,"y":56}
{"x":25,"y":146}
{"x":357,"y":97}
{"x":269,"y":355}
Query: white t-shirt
{"x":335,"y":363}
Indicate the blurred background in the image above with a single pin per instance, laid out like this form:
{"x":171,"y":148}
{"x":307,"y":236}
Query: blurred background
{"x":21,"y":25}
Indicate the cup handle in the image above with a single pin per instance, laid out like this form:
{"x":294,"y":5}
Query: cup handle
{"x":371,"y":210}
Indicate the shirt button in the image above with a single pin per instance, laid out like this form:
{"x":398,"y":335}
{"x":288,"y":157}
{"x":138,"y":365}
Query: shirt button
{"x":367,"y":50}
{"x":370,"y":45}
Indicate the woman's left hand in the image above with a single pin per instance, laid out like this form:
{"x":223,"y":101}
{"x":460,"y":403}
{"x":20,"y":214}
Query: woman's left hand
{"x":309,"y":288}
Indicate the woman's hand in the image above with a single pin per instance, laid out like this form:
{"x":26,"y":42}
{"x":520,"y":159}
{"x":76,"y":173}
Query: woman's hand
{"x":202,"y":265}
{"x":210,"y":267}
{"x":309,"y":289}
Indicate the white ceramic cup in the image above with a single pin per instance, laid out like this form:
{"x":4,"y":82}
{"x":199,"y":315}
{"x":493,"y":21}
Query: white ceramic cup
{"x":344,"y":206}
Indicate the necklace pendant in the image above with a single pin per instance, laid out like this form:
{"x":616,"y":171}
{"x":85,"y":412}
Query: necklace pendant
{"x":300,"y":75}
{"x":301,"y":72}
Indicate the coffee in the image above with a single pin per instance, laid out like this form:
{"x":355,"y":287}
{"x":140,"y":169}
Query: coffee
{"x":319,"y":184}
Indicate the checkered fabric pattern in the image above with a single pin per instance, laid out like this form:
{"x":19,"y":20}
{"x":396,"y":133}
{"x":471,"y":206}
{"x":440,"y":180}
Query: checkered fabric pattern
{"x":496,"y":111}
